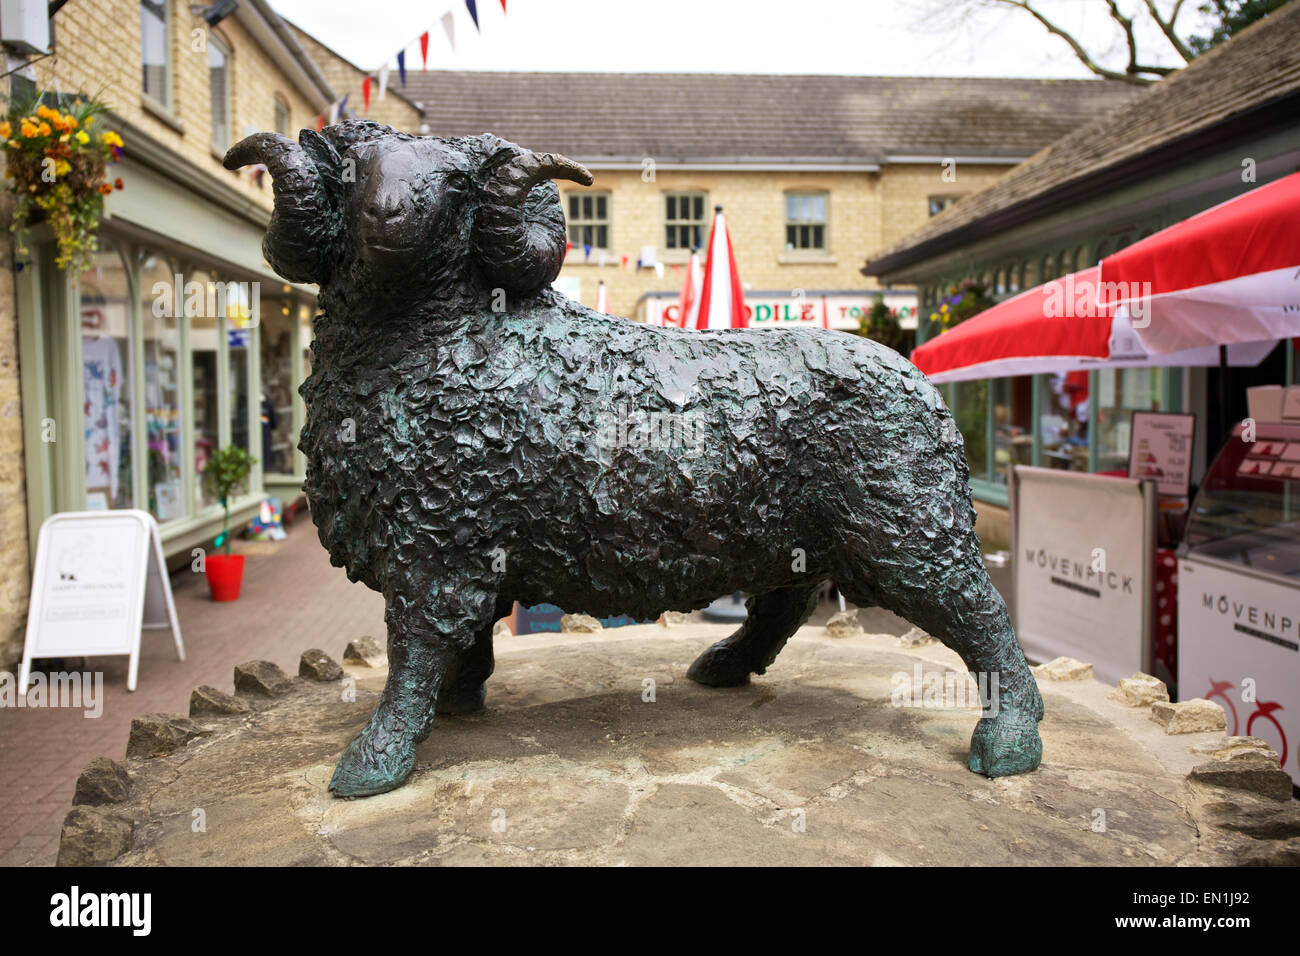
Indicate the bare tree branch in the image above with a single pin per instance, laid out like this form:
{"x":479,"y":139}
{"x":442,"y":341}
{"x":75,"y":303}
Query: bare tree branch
{"x":1167,"y":28}
{"x":1131,"y":75}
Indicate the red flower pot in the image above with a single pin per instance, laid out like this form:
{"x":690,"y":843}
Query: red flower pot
{"x":225,"y":573}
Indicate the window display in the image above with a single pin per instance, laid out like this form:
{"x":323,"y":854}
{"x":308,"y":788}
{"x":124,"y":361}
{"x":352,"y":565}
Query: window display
{"x":1013,"y":407}
{"x":1063,"y":420}
{"x":203,"y":356}
{"x":277,"y":385}
{"x":106,"y":382}
{"x":162,"y":392}
{"x":1120,"y":392}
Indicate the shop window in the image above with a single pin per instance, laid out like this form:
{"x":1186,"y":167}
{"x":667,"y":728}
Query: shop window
{"x":155,"y":50}
{"x":939,"y":203}
{"x":1120,"y":392}
{"x":278,"y":385}
{"x":239,"y":356}
{"x":1103,"y":250}
{"x":106,"y":379}
{"x":1063,"y":421}
{"x":970,"y":408}
{"x":281,"y":118}
{"x":684,"y":218}
{"x":1047,"y":271}
{"x":589,"y":220}
{"x":1013,"y":424}
{"x":805,"y":221}
{"x":163,"y":419}
{"x":219,"y":87}
{"x":204,"y":329}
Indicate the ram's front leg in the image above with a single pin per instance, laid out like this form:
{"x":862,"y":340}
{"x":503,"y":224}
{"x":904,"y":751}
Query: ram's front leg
{"x":427,"y":640}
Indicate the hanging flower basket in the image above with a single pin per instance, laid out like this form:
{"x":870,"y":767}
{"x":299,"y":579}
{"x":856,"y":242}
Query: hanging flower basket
{"x":57,"y":167}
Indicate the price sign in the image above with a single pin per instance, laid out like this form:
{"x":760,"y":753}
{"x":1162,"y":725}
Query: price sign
{"x":1160,"y":449}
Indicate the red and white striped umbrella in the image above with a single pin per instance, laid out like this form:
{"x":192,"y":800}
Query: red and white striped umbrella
{"x":687,"y":310}
{"x":722,"y":298}
{"x":1060,"y":326}
{"x":1229,"y":274}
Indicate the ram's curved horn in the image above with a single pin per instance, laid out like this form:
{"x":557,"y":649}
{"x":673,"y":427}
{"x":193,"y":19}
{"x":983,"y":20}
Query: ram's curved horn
{"x":519,"y":232}
{"x":304,"y":225}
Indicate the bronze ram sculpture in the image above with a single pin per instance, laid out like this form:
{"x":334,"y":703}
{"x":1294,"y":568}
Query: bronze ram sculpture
{"x":459,"y":455}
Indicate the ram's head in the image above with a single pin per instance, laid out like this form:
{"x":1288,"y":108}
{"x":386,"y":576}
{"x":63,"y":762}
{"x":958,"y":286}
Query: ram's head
{"x":390,"y":211}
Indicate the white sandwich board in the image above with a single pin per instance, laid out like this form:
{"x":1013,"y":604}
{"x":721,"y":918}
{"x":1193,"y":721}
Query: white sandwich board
{"x":100,"y":578}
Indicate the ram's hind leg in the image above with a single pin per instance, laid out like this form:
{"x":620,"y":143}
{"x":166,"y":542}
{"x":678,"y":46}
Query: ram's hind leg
{"x":465,"y":691}
{"x":773,"y":619}
{"x":960,"y":606}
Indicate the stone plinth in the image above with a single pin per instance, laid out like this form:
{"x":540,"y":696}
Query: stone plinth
{"x":595,"y":748}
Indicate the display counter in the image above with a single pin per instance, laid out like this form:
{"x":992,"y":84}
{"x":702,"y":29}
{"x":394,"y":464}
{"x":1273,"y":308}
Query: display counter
{"x":1239,"y":588}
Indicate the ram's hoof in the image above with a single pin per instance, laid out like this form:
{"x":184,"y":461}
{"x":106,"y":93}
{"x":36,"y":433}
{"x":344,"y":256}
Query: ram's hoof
{"x":1006,"y":744}
{"x":366,"y":769}
{"x":720,"y":666}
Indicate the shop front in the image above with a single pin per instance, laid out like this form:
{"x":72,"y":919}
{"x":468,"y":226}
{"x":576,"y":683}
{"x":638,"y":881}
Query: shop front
{"x":177,"y":341}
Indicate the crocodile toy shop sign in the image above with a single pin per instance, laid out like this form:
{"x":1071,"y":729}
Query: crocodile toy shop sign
{"x":811,"y":308}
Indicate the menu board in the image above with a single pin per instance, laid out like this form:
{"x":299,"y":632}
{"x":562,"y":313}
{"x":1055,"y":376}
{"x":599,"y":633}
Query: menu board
{"x":100,"y":577}
{"x":1160,"y":449}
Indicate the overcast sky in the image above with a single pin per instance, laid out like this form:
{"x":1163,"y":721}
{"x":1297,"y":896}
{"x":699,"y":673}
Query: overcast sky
{"x":884,"y":37}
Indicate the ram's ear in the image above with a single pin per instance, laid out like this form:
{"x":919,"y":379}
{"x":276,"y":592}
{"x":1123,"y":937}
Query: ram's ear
{"x":302,"y":236}
{"x":519,"y":232}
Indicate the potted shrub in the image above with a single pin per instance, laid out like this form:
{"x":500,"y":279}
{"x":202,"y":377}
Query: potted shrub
{"x":57,"y":159}
{"x":225,"y":473}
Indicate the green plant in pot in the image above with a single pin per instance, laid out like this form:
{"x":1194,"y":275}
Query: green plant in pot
{"x":226,"y":473}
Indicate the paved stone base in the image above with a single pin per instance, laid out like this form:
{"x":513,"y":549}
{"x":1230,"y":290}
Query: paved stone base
{"x":595,"y":748}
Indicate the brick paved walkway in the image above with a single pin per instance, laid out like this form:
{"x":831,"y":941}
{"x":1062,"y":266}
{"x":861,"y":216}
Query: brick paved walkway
{"x":292,"y":600}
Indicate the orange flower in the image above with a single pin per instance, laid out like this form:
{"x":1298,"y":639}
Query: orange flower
{"x":45,"y":129}
{"x":117,"y":183}
{"x":105,"y":188}
{"x":5,"y":130}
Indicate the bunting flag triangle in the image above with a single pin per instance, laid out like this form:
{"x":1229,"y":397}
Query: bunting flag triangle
{"x":365,"y":93}
{"x":383,"y":80}
{"x":401,"y":66}
{"x":343,"y":104}
{"x":449,"y":24}
{"x":473,"y":13}
{"x":424,"y":48}
{"x":503,"y":6}
{"x":320,"y":122}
